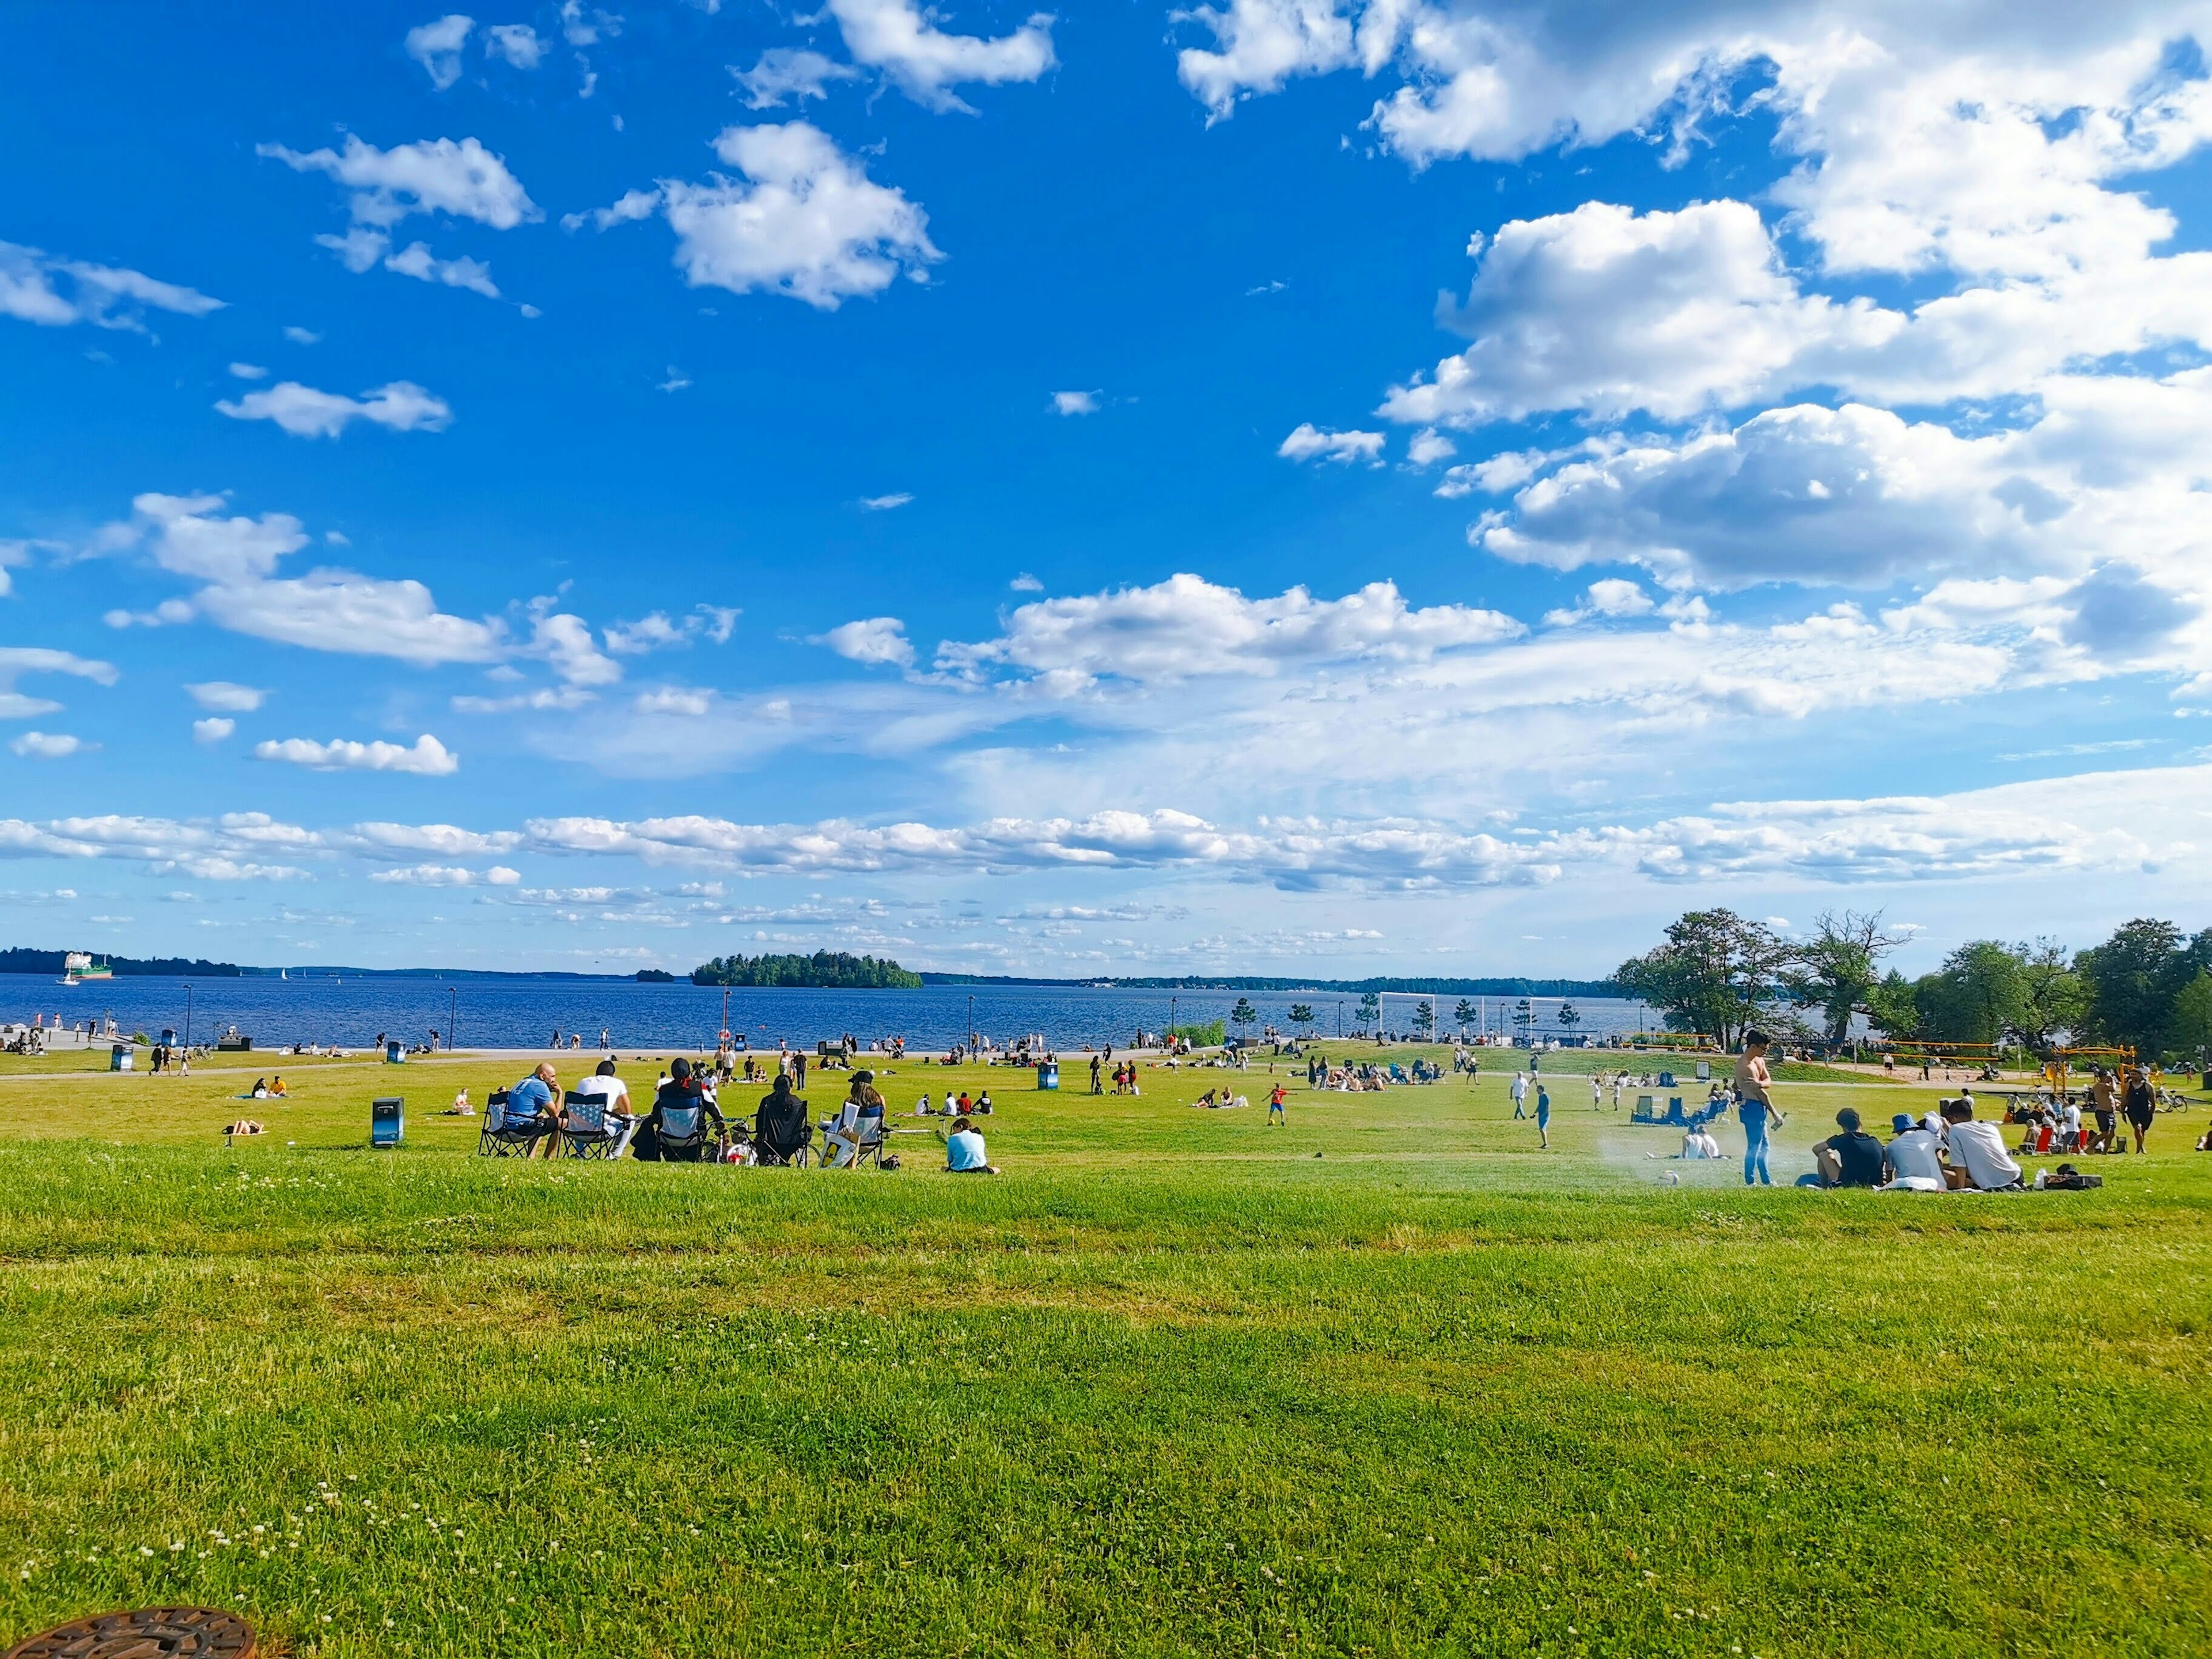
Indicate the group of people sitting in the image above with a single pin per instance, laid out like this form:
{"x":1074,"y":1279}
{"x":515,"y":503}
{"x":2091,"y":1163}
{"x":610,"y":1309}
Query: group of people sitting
{"x":264,"y":1089}
{"x":963,"y":1107}
{"x":1948,"y":1150}
{"x":677,"y":1126}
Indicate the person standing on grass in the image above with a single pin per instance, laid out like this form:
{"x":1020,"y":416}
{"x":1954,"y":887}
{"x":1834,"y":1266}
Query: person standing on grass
{"x":1520,"y":1096}
{"x":1097,"y":1086}
{"x":1544,"y":1116}
{"x":2139,"y":1105}
{"x":1275,"y":1106}
{"x":1755,"y":1106}
{"x":1597,"y":1091}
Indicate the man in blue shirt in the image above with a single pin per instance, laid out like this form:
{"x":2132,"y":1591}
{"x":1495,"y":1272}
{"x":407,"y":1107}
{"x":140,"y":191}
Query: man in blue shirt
{"x":963,"y":1150}
{"x":536,"y":1098}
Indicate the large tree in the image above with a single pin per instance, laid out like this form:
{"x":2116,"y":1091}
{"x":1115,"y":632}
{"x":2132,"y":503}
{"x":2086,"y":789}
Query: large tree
{"x":1977,"y":996}
{"x":2189,"y":1031}
{"x":1838,"y":969}
{"x":2053,"y":999}
{"x":1892,"y":1007}
{"x":2133,"y":978}
{"x":1712,"y":975}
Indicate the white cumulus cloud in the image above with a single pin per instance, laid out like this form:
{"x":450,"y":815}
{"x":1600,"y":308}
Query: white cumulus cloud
{"x":426,"y":757}
{"x":805,"y":220}
{"x":437,"y":47}
{"x":1309,"y":443}
{"x":875,"y":641}
{"x":36,"y":288}
{"x":306,"y":412}
{"x":923,"y":62}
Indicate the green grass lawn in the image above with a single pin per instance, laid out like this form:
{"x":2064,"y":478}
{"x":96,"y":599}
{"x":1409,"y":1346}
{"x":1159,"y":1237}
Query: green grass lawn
{"x":1172,"y":1385}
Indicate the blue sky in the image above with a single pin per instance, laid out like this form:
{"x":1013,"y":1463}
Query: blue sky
{"x":1385,"y":486}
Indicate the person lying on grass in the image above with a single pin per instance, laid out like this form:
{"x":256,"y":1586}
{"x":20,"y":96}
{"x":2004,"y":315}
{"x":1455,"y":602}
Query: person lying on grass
{"x":963,"y":1150}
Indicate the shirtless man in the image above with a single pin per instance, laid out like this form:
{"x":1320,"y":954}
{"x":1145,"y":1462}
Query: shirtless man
{"x":1755,"y":1105}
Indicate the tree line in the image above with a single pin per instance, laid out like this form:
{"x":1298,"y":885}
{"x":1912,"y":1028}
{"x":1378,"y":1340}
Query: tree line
{"x":2148,"y":987}
{"x":824,"y":970}
{"x":18,"y":959}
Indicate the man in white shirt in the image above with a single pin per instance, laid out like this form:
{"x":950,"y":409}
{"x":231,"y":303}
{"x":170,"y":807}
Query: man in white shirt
{"x":612,"y":1094}
{"x":1520,"y":1094}
{"x":1978,"y":1158}
{"x":2071,"y":1120}
{"x":1913,"y":1160}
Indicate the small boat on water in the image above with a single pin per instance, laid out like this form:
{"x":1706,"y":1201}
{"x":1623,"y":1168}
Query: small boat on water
{"x":77,"y":967}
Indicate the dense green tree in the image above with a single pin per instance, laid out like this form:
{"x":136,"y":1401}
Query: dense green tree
{"x":1464,"y":1015}
{"x":834,"y":969}
{"x":1892,"y":1008}
{"x":1838,"y":969}
{"x":1302,"y":1015}
{"x":1976,"y":996}
{"x":1711,"y":976}
{"x":2133,"y":979}
{"x":2053,"y":997}
{"x":2189,"y":1031}
{"x":1243,"y":1017}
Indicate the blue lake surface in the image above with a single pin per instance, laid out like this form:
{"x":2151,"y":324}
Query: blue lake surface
{"x":526,"y":1012}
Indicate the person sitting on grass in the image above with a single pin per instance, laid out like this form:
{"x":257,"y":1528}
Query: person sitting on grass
{"x":1913,"y":1160}
{"x":276,"y":1089}
{"x":1852,"y":1158}
{"x":259,"y":1091}
{"x":963,"y":1150}
{"x":1979,"y":1159}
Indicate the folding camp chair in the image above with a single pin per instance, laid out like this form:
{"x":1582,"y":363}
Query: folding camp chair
{"x":497,"y":1140}
{"x":587,"y":1132}
{"x":683,"y":1134}
{"x":787,"y":1139}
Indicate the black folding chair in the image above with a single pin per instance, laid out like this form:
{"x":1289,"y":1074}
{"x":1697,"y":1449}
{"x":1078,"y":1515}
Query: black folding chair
{"x":497,"y":1138}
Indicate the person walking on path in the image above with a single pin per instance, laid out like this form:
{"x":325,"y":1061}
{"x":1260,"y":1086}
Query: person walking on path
{"x":1520,"y":1096}
{"x":1544,"y":1116}
{"x":1755,"y":1106}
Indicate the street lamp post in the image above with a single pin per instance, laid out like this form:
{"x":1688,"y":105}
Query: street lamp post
{"x":1171,"y":1024}
{"x":452,"y":1009}
{"x":188,"y":1016}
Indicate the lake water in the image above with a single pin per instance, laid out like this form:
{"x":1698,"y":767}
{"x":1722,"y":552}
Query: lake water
{"x":525,"y":1013}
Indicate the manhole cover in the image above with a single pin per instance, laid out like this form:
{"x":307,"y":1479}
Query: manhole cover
{"x":147,"y":1633}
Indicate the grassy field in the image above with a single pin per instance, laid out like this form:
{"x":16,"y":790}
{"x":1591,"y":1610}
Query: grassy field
{"x":1390,"y":1381}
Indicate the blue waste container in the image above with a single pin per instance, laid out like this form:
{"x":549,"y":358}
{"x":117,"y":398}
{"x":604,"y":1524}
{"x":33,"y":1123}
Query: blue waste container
{"x":119,"y":1057}
{"x":1048,"y":1075}
{"x":387,"y":1120}
{"x":394,"y":1055}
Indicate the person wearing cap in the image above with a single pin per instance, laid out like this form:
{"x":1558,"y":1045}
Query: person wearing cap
{"x":1852,"y":1158}
{"x":1913,"y":1160}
